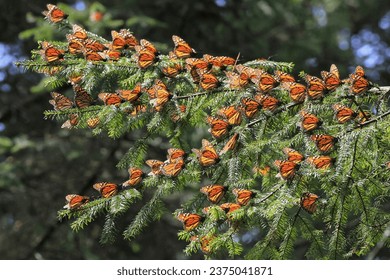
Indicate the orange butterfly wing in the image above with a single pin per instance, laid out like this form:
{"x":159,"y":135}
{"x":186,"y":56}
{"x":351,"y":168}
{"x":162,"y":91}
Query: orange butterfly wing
{"x":182,"y":48}
{"x":155,"y":166}
{"x":344,"y":113}
{"x":214,"y":192}
{"x":309,"y":121}
{"x":106,"y":189}
{"x":230,"y":207}
{"x":131,"y":95}
{"x":75,"y":201}
{"x":110,"y":98}
{"x":324,"y":142}
{"x":286,"y":168}
{"x":293,"y":155}
{"x":54,"y":14}
{"x":321,"y":162}
{"x":136,"y":176}
{"x":218,"y":127}
{"x":60,"y":102}
{"x":315,"y":87}
{"x":190,"y":220}
{"x":207,"y":155}
{"x":243,"y":196}
{"x":251,"y":107}
{"x":308,"y":202}
{"x":332,"y":78}
{"x":230,"y":144}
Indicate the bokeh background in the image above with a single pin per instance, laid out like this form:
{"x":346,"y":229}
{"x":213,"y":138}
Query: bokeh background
{"x":40,"y":162}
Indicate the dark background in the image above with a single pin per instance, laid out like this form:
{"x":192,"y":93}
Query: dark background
{"x":41,"y":163}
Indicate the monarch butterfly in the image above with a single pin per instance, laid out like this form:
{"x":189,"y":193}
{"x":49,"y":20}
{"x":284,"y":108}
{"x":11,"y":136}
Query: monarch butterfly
{"x":73,"y":120}
{"x":175,"y":153}
{"x":75,"y":45}
{"x":229,"y":207}
{"x":267,"y":102}
{"x":230,"y":144}
{"x":93,"y":56}
{"x":293,"y":155}
{"x":324,"y":142}
{"x":106,"y":189}
{"x":214,"y":192}
{"x":182,"y":49}
{"x":197,"y":63}
{"x":232,"y":115}
{"x":284,"y":77}
{"x":264,"y":171}
{"x":130,"y":95}
{"x":172,"y":168}
{"x":79,"y":32}
{"x":82,"y":98}
{"x":309,"y":121}
{"x":332,"y":78}
{"x":172,"y":69}
{"x":60,"y":102}
{"x":247,"y":73}
{"x":190,"y":220}
{"x":287,"y":168}
{"x":175,"y":116}
{"x":243,"y":196}
{"x":75,"y":201}
{"x":110,"y":54}
{"x":75,"y":78}
{"x":296,"y":91}
{"x":93,"y":45}
{"x":136,"y":176}
{"x":155,"y":166}
{"x":208,"y":81}
{"x":251,"y":107}
{"x":308,"y":202}
{"x":93,"y":122}
{"x":51,"y":54}
{"x":123,"y":39}
{"x":139,"y":108}
{"x":207,"y":155}
{"x":235,"y":80}
{"x":159,"y":95}
{"x":315,"y":87}
{"x":204,"y":243}
{"x":321,"y":162}
{"x":110,"y":98}
{"x":359,"y":83}
{"x":344,"y":113}
{"x":54,"y":14}
{"x":219,"y":61}
{"x":144,"y":56}
{"x":265,"y":81}
{"x":218,"y":127}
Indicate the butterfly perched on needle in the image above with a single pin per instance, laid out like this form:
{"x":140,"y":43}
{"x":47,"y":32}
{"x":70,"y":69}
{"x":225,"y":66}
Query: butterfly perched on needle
{"x":218,"y":126}
{"x":54,"y":14}
{"x":106,"y":189}
{"x":172,"y":168}
{"x":344,"y":113}
{"x":130,"y":95}
{"x":267,"y":102}
{"x":214,"y":192}
{"x":308,"y":202}
{"x":332,"y":78}
{"x":293,"y":155}
{"x":182,"y":49}
{"x":230,"y":207}
{"x":60,"y":102}
{"x":146,"y":54}
{"x":75,"y":201}
{"x":316,"y":88}
{"x":50,"y":53}
{"x":175,"y":154}
{"x":296,"y":91}
{"x":219,"y":61}
{"x":207,"y":155}
{"x":265,"y":81}
{"x":159,"y":95}
{"x":155,"y":166}
{"x":309,"y":121}
{"x":287,"y":169}
{"x":136,"y":176}
{"x":82,"y":98}
{"x":250,"y":107}
{"x":243,"y":196}
{"x":110,"y":98}
{"x":321,"y":162}
{"x":190,"y":220}
{"x":230,"y":144}
{"x":358,"y":81}
{"x":324,"y":142}
{"x":123,"y":39}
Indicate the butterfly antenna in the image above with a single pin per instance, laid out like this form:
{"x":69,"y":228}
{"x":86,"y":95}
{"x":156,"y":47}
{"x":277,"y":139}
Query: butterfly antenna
{"x":237,"y":58}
